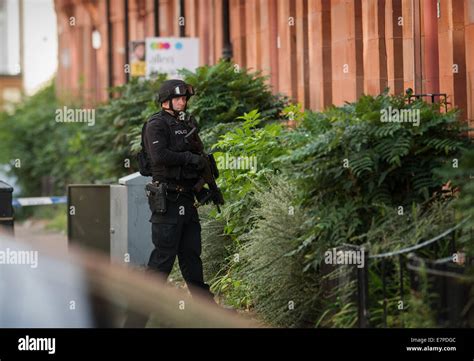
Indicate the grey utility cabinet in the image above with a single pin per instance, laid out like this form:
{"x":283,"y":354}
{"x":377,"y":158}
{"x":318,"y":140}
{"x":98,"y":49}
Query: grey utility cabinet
{"x":112,"y":219}
{"x":130,"y":229}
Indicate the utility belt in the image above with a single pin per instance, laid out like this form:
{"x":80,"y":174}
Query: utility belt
{"x":157,"y":193}
{"x":178,"y":188}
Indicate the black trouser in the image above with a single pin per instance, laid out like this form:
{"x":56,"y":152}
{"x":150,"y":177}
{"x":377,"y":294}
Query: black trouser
{"x":178,"y":233}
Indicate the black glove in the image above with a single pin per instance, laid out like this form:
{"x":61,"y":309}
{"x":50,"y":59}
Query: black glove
{"x":204,"y":196}
{"x":195,"y":160}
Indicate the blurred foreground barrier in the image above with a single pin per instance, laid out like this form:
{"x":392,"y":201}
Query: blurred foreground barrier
{"x":45,"y":288}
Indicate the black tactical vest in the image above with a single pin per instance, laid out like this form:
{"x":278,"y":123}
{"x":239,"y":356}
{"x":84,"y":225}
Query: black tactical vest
{"x":177,"y":131}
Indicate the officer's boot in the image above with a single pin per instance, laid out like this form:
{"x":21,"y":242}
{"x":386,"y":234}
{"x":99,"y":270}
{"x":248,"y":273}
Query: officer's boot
{"x":201,"y":291}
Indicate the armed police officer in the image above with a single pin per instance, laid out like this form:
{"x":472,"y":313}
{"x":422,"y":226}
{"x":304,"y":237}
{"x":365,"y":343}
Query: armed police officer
{"x":177,"y":166}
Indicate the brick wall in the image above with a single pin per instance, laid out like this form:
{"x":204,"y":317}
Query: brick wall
{"x":319,"y":52}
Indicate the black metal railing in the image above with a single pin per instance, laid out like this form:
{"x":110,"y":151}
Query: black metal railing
{"x":409,"y":262}
{"x":442,"y":98}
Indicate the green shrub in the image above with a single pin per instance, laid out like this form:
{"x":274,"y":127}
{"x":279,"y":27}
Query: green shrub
{"x":389,"y":165}
{"x":225,"y":92}
{"x":35,"y":144}
{"x":463,"y":187}
{"x":216,"y":246}
{"x":282,"y":293}
{"x":390,"y":233}
{"x":107,"y":151}
{"x":258,"y":146}
{"x":348,"y":163}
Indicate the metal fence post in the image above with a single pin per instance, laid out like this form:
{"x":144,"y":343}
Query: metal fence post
{"x":363,"y":293}
{"x":402,"y":289}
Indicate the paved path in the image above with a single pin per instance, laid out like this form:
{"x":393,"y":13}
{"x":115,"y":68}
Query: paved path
{"x":34,"y":232}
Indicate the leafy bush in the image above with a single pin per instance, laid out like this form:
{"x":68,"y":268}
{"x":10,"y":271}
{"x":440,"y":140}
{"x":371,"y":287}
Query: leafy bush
{"x":394,"y":232}
{"x":225,"y":92}
{"x":388,"y":166}
{"x":216,"y":246}
{"x":35,"y":144}
{"x":348,"y":163}
{"x":74,"y":153}
{"x":282,"y":293}
{"x":106,"y":151}
{"x":255,"y":149}
{"x":462,"y":186}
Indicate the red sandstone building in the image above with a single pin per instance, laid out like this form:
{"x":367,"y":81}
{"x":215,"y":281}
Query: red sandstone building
{"x":319,"y":52}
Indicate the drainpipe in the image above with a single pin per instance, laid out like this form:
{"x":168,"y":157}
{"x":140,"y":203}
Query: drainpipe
{"x":431,"y":61}
{"x":157,"y":17}
{"x":181,"y":15}
{"x":417,"y":63}
{"x":110,"y":63}
{"x":227,"y":46}
{"x":127,"y":37}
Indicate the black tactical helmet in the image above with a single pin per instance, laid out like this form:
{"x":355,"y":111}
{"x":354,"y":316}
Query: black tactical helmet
{"x":173,"y":88}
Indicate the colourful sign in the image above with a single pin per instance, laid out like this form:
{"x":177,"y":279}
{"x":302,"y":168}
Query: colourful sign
{"x":167,"y":55}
